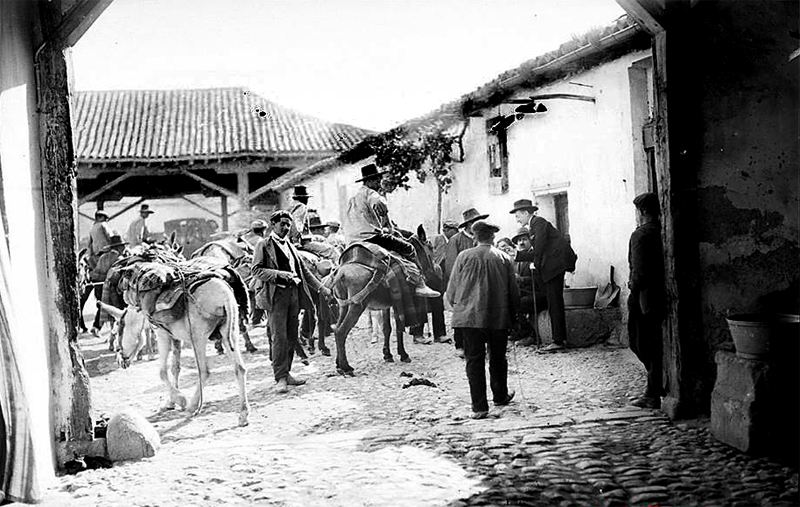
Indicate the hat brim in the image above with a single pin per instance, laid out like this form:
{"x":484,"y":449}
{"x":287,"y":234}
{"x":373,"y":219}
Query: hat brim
{"x":372,"y":176}
{"x":531,"y":208}
{"x":149,"y":212}
{"x":467,"y":222}
{"x":514,"y":238}
{"x":111,"y":245}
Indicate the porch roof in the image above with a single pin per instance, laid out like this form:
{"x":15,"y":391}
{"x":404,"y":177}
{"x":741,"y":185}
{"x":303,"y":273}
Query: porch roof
{"x":158,"y":126}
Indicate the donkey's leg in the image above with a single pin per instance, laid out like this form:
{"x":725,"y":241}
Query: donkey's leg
{"x":231,"y":345}
{"x":199,"y":345}
{"x":174,"y":396}
{"x":387,"y":335}
{"x":346,"y":323}
{"x":401,"y":349}
{"x":248,"y":345}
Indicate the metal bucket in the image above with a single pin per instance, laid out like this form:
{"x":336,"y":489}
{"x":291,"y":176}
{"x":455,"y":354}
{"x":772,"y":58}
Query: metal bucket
{"x":761,"y":336}
{"x":579,"y":297}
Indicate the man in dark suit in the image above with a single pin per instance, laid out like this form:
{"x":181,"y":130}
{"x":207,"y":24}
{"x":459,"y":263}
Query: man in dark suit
{"x":552,"y":256}
{"x":286,"y":286}
{"x":646,"y":303}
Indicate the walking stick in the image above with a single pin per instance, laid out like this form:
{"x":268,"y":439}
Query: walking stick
{"x":535,"y":310}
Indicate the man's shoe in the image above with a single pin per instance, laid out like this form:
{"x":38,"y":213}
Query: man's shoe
{"x":424,"y":291}
{"x":460,"y":353}
{"x":422,"y":340}
{"x":442,"y":339}
{"x":647,"y":402}
{"x":527,"y":342}
{"x":506,"y":401}
{"x":553,"y":347}
{"x":95,"y":331}
{"x":281,"y":387}
{"x":480,"y":415}
{"x":294,"y":381}
{"x":374,"y":340}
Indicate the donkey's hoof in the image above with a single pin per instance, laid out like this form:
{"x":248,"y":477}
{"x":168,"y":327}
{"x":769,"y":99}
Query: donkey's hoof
{"x":250,"y":348}
{"x":345,"y":373}
{"x":325,"y":351}
{"x":405,"y":359}
{"x":243,"y":420}
{"x":388,"y":359}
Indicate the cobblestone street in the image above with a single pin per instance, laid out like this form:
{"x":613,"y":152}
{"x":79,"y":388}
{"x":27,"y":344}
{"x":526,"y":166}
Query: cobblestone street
{"x":570,"y":438}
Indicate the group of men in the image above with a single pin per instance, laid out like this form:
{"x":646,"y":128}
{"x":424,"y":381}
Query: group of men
{"x":488,"y":291}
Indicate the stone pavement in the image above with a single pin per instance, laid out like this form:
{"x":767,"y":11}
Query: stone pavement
{"x":570,"y":438}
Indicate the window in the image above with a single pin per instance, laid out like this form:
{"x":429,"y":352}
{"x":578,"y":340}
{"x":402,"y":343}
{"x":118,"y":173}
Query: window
{"x":497,"y":151}
{"x":561,"y":205}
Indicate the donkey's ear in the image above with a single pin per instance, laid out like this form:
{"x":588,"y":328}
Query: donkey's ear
{"x":421,"y":233}
{"x":172,"y":237}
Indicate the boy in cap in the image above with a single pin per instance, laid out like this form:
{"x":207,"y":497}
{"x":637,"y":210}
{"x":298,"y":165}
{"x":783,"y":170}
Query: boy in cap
{"x":485,"y":300}
{"x":99,"y":237}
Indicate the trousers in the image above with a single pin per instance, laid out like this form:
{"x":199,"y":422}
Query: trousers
{"x":476,"y":343}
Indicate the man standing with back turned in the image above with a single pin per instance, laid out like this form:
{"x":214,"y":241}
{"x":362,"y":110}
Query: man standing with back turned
{"x":485,"y":300}
{"x":646,"y":303}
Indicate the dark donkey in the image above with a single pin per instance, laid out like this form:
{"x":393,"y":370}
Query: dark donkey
{"x":365,"y":280}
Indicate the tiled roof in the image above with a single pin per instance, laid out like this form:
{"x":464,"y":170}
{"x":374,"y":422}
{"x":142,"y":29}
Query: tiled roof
{"x":210,"y":124}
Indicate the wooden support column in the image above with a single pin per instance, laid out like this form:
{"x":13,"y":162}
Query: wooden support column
{"x":243,"y":187}
{"x":223,"y":204}
{"x":677,"y":161}
{"x":69,"y":380}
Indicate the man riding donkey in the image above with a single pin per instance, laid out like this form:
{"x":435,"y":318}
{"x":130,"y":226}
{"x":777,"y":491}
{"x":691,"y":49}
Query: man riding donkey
{"x":368,"y":220}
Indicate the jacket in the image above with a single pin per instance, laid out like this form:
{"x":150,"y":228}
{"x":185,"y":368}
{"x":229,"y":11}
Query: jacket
{"x":265,"y":275}
{"x":646,"y":259}
{"x":551,"y":254}
{"x":455,"y":245}
{"x":483,"y":290}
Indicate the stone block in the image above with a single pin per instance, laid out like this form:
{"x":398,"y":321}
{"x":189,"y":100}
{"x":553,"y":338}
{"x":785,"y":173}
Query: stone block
{"x":585,"y":326}
{"x":131,"y":437}
{"x":754,"y":405}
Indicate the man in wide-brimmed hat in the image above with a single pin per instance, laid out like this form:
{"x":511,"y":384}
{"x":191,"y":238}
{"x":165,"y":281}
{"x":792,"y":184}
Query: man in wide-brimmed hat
{"x":137,"y":231}
{"x":485,"y":301}
{"x":368,"y":220}
{"x":552,"y":256}
{"x":299,"y":211}
{"x":461,"y":241}
{"x":99,"y":237}
{"x":529,"y":284}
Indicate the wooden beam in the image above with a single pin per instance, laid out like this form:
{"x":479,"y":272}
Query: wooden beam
{"x":213,"y":186}
{"x":648,"y":13}
{"x":198,"y":205}
{"x":77,"y":20}
{"x":257,"y":192}
{"x":111,"y":184}
{"x":126,"y":208}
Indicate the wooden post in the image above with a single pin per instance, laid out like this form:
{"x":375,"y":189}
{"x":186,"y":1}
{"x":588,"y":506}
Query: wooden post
{"x":243,"y":188}
{"x":69,"y":380}
{"x":223,"y":202}
{"x":677,"y":165}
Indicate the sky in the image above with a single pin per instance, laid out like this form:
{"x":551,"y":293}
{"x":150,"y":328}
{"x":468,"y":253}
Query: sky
{"x":369,"y":63}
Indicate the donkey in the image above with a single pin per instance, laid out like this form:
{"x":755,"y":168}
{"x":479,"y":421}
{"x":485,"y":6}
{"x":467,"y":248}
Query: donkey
{"x":358,"y":286}
{"x":211,"y":311}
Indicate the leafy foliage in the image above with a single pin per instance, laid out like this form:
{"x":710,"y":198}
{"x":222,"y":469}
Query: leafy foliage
{"x":424,"y":152}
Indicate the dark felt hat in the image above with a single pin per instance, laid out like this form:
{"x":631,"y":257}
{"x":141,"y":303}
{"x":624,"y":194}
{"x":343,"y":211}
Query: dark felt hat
{"x":334,"y":223}
{"x":300,"y":191}
{"x":370,"y":171}
{"x":314,"y":222}
{"x":116,"y":240}
{"x":522,"y":231}
{"x":100,"y":214}
{"x":483,"y":226}
{"x":524,"y":204}
{"x":145,"y":208}
{"x":470,"y":216}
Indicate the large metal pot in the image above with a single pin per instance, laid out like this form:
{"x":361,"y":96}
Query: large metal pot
{"x":579,"y":297}
{"x":761,"y":336}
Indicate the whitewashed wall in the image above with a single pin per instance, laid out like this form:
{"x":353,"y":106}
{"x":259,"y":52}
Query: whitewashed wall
{"x":582,"y":148}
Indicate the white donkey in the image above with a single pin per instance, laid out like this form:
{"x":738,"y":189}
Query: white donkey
{"x":211,"y":308}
